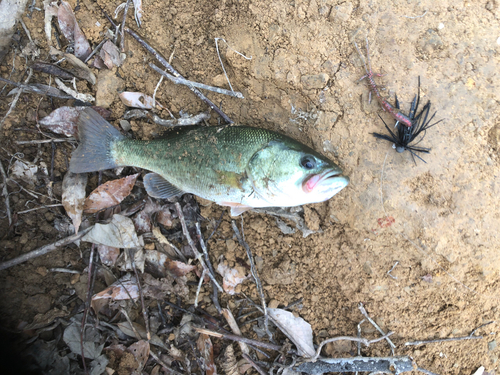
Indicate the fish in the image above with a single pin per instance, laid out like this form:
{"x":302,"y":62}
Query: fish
{"x":241,"y":167}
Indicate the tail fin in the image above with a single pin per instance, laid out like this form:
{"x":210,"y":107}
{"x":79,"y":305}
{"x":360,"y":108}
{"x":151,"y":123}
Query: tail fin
{"x":96,"y":138}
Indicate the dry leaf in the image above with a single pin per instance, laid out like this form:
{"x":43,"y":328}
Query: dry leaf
{"x":63,"y":120}
{"x":296,"y":329}
{"x":143,"y":334}
{"x":51,"y":9}
{"x":138,"y":100}
{"x":119,"y":233}
{"x":232,"y":277}
{"x":108,"y":254}
{"x":140,"y":351}
{"x":73,"y":196}
{"x":79,"y":69}
{"x":124,"y":289}
{"x":91,"y":347}
{"x":207,"y":352}
{"x":157,"y":289}
{"x":142,"y":219}
{"x":110,"y":55}
{"x":109,"y":194}
{"x":25,"y":171}
{"x":178,"y":268}
{"x":124,"y":262}
{"x":70,"y":29}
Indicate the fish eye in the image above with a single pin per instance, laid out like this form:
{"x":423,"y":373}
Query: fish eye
{"x":308,"y":162}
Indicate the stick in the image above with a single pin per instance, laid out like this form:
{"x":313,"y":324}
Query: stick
{"x":199,"y":288}
{"x":389,"y":272}
{"x":39,"y":141}
{"x":348,"y":338}
{"x":255,"y":275}
{"x":365,"y":314}
{"x":254,"y":365}
{"x":237,"y":338}
{"x":5,"y":193}
{"x":183,"y":81}
{"x":192,"y":245}
{"x":44,"y":249}
{"x":415,"y":343}
{"x":234,"y":327}
{"x":376,"y":365}
{"x":14,"y":102}
{"x":122,"y":33}
{"x":38,"y":88}
{"x":95,"y":50}
{"x":169,"y":67}
{"x":144,"y":312}
{"x":183,"y":121}
{"x":40,"y":208}
{"x":215,"y":298}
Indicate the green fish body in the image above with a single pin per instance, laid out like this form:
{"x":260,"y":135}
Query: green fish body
{"x":237,"y":166}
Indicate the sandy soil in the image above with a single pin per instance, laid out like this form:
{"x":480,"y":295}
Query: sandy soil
{"x":445,"y":213}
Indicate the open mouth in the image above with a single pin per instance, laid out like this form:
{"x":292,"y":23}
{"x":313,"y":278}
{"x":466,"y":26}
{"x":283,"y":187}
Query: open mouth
{"x":332,"y":177}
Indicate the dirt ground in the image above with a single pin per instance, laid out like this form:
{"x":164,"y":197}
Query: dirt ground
{"x":439,"y":219}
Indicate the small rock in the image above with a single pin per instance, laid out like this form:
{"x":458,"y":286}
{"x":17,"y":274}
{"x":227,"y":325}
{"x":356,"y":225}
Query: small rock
{"x":341,"y":13}
{"x":125,"y":125}
{"x":108,"y":87}
{"x":259,"y":262}
{"x":315,"y":81}
{"x":273,"y":304}
{"x":494,"y":137}
{"x":492,"y":345}
{"x":231,"y":245}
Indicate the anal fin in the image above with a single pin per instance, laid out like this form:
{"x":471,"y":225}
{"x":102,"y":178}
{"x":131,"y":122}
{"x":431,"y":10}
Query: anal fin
{"x":157,"y":187}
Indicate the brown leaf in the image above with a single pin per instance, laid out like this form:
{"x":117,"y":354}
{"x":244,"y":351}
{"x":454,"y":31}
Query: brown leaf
{"x":73,"y":196}
{"x":124,"y":289}
{"x":109,"y":194}
{"x":140,"y":351}
{"x":110,"y":55}
{"x":70,"y":29}
{"x":108,"y":254}
{"x":178,"y":268}
{"x":232,"y":277}
{"x":63,"y":120}
{"x":207,"y":352}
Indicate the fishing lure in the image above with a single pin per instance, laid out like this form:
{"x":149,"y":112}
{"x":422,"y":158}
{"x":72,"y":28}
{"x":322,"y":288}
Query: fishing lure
{"x":404,"y":136}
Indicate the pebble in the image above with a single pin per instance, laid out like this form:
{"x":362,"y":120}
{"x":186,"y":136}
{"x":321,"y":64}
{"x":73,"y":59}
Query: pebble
{"x":315,"y":81}
{"x":492,"y":345}
{"x":108,"y":86}
{"x":125,"y":125}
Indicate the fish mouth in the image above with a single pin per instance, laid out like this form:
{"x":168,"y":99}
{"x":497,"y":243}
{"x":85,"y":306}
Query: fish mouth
{"x":331,"y":179}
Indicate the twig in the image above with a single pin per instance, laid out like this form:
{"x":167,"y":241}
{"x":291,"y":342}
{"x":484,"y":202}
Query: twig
{"x":365,"y":314}
{"x":144,"y":312}
{"x":88,"y":300}
{"x":39,"y":208}
{"x":234,"y":327}
{"x":192,"y":245}
{"x":481,"y":326}
{"x":389,"y":272}
{"x":5,"y":193}
{"x":209,"y":264}
{"x":427,"y":372}
{"x":164,"y":365}
{"x":237,"y":338}
{"x":183,"y":81}
{"x":156,"y":89}
{"x":417,"y":16}
{"x":64,"y":270}
{"x":255,"y":275}
{"x":199,"y":288}
{"x":122,"y":33}
{"x":347,"y":338}
{"x":39,"y":141}
{"x":44,"y":249}
{"x":132,"y":327}
{"x":169,"y":67}
{"x":375,"y":365}
{"x":359,"y":336}
{"x":254,"y":365}
{"x":183,"y":121}
{"x":37,"y":88}
{"x":415,"y":343}
{"x":220,"y":60}
{"x":96,"y":50}
{"x":14,"y":102}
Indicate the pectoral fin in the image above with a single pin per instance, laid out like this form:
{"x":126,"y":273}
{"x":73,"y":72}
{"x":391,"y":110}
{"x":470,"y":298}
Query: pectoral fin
{"x":158,"y":187}
{"x":236,"y":208}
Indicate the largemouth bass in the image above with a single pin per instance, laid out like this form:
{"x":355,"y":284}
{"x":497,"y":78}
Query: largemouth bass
{"x":237,"y":166}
